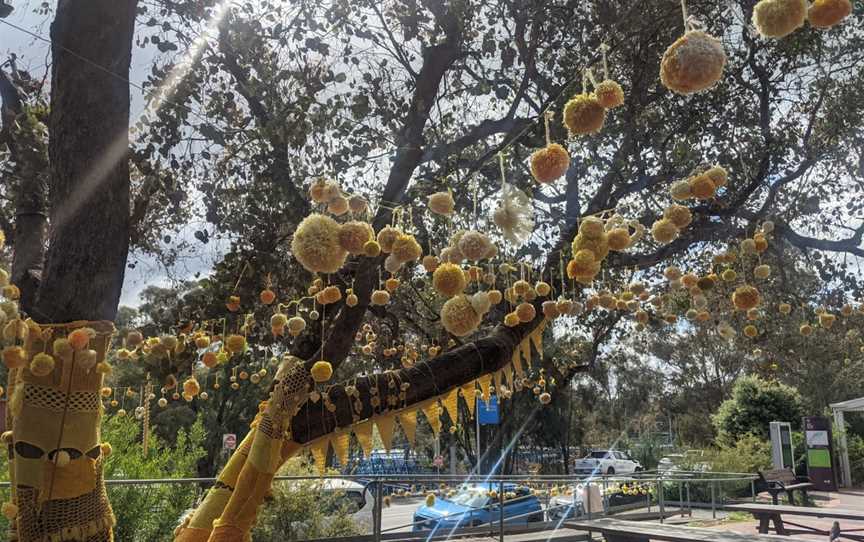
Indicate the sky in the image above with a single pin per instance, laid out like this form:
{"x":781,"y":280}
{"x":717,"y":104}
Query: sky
{"x":33,"y":55}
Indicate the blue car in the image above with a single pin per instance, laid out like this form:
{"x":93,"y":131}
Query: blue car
{"x":474,"y":505}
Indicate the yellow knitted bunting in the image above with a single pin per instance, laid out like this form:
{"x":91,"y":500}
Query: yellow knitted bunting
{"x":525,"y":346}
{"x":508,"y":376}
{"x":485,"y":381}
{"x":340,"y":443}
{"x":469,"y":392}
{"x":433,"y":415}
{"x":363,"y":432}
{"x":517,"y":363}
{"x":386,"y":424}
{"x":451,"y":404}
{"x":319,"y":450}
{"x":408,"y":421}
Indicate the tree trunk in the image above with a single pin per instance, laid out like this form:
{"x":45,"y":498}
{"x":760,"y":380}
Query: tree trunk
{"x":88,"y":151}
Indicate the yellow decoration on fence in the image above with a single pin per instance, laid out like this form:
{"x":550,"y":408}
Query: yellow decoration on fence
{"x":386,"y":424}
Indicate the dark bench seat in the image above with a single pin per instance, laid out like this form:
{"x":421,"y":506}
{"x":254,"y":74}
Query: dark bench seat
{"x":778,"y":481}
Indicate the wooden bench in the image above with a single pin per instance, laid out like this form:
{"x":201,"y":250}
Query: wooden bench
{"x":779,"y":480}
{"x":618,"y":530}
{"x":768,"y":514}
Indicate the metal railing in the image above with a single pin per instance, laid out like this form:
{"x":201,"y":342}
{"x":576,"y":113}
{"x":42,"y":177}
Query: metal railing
{"x":649,"y":494}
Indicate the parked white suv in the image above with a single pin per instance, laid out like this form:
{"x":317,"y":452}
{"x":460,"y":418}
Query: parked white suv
{"x":606,"y":462}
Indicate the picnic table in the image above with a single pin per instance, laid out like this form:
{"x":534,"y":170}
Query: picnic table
{"x":769,"y":513}
{"x":618,"y":530}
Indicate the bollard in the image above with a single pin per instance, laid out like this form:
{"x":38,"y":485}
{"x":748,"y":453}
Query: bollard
{"x":501,"y":510}
{"x":376,"y":518}
{"x":660,"y":506}
{"x":713,"y":502}
{"x":689,"y":502}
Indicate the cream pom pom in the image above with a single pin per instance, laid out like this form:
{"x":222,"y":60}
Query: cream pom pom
{"x":514,"y":215}
{"x":549,"y":163}
{"x":357,"y":204}
{"x":481,"y":303}
{"x":380,"y":297}
{"x":316,"y":244}
{"x":449,"y":280}
{"x":406,"y":249}
{"x":584,"y":114}
{"x":718,"y":175}
{"x":386,"y":237}
{"x":459,"y":317}
{"x":392,"y":263}
{"x":338,"y":206}
{"x":354,"y":235}
{"x":42,"y":364}
{"x":441,"y":203}
{"x":475,"y":246}
{"x":452,"y":255}
{"x":609,"y":94}
{"x":591,"y":227}
{"x":680,"y":190}
{"x":779,"y":18}
{"x":664,"y":231}
{"x":679,"y":215}
{"x":430,"y":263}
{"x":694,"y":62}
{"x":827,"y":13}
{"x":526,"y":312}
{"x":762,"y":271}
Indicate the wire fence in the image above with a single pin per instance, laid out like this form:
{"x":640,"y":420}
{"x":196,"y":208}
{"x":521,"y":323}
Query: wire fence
{"x":395,"y":507}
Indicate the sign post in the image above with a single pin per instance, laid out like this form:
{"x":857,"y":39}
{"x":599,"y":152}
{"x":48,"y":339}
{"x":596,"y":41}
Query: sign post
{"x":820,"y":450}
{"x":486,"y":414}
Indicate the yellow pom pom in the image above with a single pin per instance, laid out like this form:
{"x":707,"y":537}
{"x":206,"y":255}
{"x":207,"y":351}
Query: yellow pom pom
{"x":380,"y":297}
{"x":694,"y":62}
{"x":449,"y":280}
{"x":495,"y":297}
{"x":106,"y":449}
{"x":441,"y":203}
{"x":321,"y":371}
{"x":386,"y":237}
{"x":762,"y":271}
{"x":191,"y":387}
{"x":545,"y":398}
{"x":664,"y":231}
{"x":550,"y":310}
{"x":10,"y":511}
{"x":430,"y":263}
{"x":718,"y":175}
{"x":745,"y":298}
{"x":542,"y":288}
{"x":371,"y":249}
{"x":828,"y":13}
{"x":526,"y":312}
{"x":354,"y":235}
{"x":618,"y":239}
{"x":729,"y":275}
{"x":549,"y":163}
{"x":805,"y":329}
{"x":702,"y":187}
{"x":14,"y":357}
{"x":338,"y":206}
{"x":351,"y":300}
{"x":475,"y":246}
{"x":750,"y":331}
{"x":41,"y":365}
{"x":235,"y":343}
{"x":609,"y":94}
{"x":779,"y":18}
{"x":459,"y":317}
{"x":584,"y":114}
{"x":430,"y":500}
{"x":784,"y":308}
{"x":599,"y":245}
{"x":679,"y":215}
{"x":316,"y":244}
{"x":826,"y":320}
{"x":406,"y":249}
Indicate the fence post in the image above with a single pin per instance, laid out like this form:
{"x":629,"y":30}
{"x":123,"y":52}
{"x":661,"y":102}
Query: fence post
{"x":713,"y":502}
{"x":660,"y":506}
{"x":376,"y":520}
{"x":689,"y":502}
{"x":753,"y":490}
{"x":501,"y":510}
{"x":681,"y":499}
{"x":587,"y":499}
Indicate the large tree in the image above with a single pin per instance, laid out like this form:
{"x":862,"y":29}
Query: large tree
{"x":402,"y":98}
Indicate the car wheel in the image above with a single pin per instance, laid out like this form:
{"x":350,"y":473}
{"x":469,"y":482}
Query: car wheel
{"x":610,"y":470}
{"x":638,"y":469}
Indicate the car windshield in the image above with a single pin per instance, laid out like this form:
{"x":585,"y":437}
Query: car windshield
{"x":472,"y":498}
{"x":598,"y":455}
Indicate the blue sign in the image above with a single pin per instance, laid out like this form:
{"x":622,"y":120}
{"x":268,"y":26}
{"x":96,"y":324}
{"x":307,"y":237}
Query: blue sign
{"x":487,"y":413}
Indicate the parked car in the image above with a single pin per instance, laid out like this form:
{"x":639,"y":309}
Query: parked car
{"x":691,"y":460}
{"x":476,"y":505}
{"x":574,"y":503}
{"x":606,"y":462}
{"x":340,"y":497}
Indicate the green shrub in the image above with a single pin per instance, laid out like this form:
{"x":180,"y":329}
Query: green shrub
{"x":299,"y":510}
{"x":150,"y":512}
{"x":754,"y":404}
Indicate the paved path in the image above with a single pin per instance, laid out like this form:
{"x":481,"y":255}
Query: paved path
{"x":851,"y":499}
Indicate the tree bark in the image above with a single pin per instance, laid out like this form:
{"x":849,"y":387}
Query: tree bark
{"x":88,"y":151}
